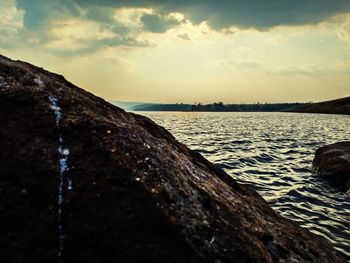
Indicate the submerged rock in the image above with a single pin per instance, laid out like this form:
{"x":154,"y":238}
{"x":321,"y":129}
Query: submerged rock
{"x":82,"y":180}
{"x":332,"y":162}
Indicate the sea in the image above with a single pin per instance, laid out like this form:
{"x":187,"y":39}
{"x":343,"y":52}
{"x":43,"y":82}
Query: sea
{"x":273,"y":153}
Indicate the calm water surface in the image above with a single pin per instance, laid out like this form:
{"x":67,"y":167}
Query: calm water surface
{"x":273,"y":152}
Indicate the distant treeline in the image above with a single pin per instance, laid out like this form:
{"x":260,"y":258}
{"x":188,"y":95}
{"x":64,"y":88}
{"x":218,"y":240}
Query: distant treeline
{"x":220,"y":107}
{"x":265,"y":107}
{"x":163,"y":107}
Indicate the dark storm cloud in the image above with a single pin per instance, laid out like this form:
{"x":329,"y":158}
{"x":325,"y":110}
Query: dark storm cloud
{"x":260,"y":14}
{"x":257,"y":13}
{"x":157,"y":23}
{"x":38,"y":12}
{"x":101,"y":14}
{"x":220,"y":15}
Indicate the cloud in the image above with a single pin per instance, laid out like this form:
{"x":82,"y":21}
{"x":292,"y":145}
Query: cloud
{"x":241,"y":13}
{"x":311,"y":70}
{"x":71,"y":48}
{"x":343,"y":32}
{"x":293,"y":70}
{"x":239,"y":64}
{"x":254,"y":14}
{"x":32,"y":22}
{"x":302,"y":70}
{"x":11,"y":18}
{"x":218,"y":14}
{"x":184,"y":36}
{"x":65,"y":27}
{"x":157,"y":23}
{"x":39,"y":12}
{"x":77,"y":36}
{"x":101,"y":14}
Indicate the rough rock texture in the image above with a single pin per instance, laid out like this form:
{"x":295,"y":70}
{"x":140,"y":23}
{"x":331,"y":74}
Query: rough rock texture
{"x":332,"y":162}
{"x":138,"y":195}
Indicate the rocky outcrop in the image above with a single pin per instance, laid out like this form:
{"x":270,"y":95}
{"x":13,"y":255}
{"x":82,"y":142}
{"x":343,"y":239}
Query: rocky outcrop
{"x":338,"y":106}
{"x":332,"y":162}
{"x":83,"y":181}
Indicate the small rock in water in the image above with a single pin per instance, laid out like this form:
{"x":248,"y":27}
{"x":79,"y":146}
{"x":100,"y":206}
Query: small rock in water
{"x":332,"y":162}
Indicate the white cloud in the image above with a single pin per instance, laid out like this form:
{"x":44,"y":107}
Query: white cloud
{"x":11,"y":20}
{"x":343,"y":32}
{"x":130,"y":17}
{"x":85,"y":36}
{"x":313,"y":69}
{"x":240,"y":64}
{"x":75,"y":34}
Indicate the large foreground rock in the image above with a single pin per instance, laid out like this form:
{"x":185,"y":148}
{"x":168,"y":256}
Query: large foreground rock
{"x":137,"y":195}
{"x":332,"y":162}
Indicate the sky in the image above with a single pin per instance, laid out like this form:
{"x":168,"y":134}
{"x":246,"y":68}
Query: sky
{"x":189,"y":51}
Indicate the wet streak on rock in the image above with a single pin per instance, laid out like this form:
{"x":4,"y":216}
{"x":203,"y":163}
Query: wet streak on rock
{"x":63,"y":168}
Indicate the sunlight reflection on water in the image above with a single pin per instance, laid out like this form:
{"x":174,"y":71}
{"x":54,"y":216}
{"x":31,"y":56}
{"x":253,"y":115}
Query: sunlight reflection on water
{"x":273,"y":152}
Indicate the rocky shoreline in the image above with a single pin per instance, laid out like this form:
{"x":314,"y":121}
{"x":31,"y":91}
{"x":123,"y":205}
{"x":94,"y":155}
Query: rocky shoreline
{"x":82,"y":180}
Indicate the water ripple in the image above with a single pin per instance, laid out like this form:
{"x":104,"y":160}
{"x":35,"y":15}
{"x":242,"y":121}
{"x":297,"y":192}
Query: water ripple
{"x":272,"y":152}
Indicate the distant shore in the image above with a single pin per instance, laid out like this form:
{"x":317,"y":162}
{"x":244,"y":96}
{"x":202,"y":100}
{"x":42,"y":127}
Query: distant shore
{"x":213,"y":107}
{"x":339,"y":106}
